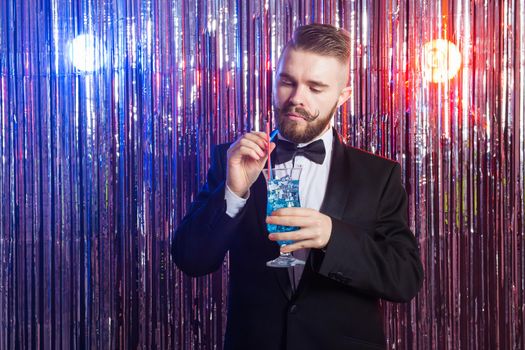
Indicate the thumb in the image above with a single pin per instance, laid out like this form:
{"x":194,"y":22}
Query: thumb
{"x":272,"y":146}
{"x":262,"y":161}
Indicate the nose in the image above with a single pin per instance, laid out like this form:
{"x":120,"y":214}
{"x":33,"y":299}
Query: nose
{"x":297,"y":98}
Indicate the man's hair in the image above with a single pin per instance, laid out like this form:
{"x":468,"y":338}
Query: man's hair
{"x":322,"y":39}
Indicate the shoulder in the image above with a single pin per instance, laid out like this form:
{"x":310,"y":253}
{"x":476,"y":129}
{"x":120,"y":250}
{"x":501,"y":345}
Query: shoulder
{"x":218,"y":156}
{"x":368,"y":159}
{"x":370,"y":170}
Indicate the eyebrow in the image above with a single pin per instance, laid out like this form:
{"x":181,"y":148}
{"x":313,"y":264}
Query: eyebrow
{"x":310,"y":82}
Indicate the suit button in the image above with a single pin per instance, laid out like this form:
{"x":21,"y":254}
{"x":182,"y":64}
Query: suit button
{"x":293,"y":309}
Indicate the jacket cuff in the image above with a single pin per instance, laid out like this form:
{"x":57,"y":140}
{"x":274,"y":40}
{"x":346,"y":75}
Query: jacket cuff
{"x":341,"y":246}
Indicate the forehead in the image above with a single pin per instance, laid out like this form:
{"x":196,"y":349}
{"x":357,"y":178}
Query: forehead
{"x":305,"y":65}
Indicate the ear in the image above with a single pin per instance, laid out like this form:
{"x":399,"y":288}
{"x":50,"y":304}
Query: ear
{"x":344,"y":95}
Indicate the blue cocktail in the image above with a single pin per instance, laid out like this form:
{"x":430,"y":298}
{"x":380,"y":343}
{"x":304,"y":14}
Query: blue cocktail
{"x":283,"y":192}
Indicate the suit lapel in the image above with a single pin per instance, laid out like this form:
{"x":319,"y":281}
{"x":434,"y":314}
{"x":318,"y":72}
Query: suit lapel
{"x":337,"y":189}
{"x":336,"y":195}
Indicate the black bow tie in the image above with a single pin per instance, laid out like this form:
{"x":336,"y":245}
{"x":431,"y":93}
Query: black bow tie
{"x":285,"y":151}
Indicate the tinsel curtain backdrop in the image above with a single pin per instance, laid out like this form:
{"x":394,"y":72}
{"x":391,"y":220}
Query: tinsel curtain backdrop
{"x":108,"y":112}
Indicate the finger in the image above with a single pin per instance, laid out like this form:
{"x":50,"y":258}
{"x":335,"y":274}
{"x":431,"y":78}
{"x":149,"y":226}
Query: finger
{"x":249,"y":152}
{"x":259,"y":134}
{"x":295,"y":211}
{"x":272,"y":146}
{"x":297,"y":245}
{"x":260,"y":139}
{"x":290,"y":220}
{"x":257,"y":138}
{"x":261,"y":151}
{"x":235,"y":147}
{"x":297,"y":235}
{"x":263,"y":159}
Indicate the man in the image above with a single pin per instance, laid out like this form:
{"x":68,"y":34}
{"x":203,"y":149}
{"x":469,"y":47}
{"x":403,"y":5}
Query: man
{"x":353,"y":227}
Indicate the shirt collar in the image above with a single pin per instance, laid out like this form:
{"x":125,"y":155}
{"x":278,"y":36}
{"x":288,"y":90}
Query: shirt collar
{"x":327,"y":137}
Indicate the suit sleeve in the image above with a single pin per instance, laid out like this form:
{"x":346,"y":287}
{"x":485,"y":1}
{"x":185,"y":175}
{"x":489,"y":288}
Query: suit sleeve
{"x":203,"y":237}
{"x":382,"y":261}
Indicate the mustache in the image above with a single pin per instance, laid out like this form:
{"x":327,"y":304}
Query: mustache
{"x":290,"y":108}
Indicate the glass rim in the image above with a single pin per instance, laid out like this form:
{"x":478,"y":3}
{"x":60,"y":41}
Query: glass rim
{"x":296,"y":171}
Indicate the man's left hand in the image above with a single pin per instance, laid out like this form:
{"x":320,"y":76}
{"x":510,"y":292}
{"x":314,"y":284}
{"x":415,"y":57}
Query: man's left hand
{"x":315,"y":228}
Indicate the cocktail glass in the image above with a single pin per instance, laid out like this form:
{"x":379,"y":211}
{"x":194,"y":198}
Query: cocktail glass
{"x":283,"y":192}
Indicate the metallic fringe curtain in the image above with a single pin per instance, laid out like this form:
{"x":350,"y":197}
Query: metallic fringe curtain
{"x":108,"y":112}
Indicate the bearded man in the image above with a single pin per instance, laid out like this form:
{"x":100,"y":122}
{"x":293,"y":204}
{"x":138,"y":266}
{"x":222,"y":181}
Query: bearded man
{"x":352,"y":223}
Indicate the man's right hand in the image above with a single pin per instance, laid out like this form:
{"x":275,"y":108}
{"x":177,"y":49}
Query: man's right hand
{"x":246,"y":159}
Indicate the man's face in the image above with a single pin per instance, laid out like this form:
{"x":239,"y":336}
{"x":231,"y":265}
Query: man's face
{"x":307,"y":90}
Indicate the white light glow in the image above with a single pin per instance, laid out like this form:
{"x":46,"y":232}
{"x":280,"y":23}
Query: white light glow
{"x":85,"y":53}
{"x":442,"y":60}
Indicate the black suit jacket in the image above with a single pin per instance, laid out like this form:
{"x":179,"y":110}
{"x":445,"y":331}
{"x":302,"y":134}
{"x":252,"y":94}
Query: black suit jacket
{"x":371,"y":254}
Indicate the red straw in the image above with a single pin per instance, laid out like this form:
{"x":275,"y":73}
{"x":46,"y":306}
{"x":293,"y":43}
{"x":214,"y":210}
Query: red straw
{"x":268,"y":162}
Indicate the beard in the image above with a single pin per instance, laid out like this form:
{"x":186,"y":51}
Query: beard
{"x":291,"y":129}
